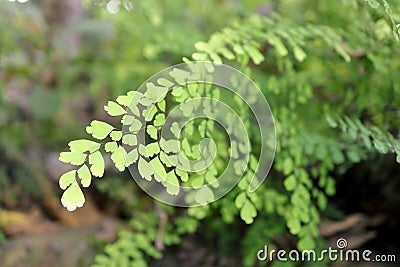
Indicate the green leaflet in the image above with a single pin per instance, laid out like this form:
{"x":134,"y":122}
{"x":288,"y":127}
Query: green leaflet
{"x":290,"y":183}
{"x":152,"y":149}
{"x":164,"y":159}
{"x":134,"y":109}
{"x":118,"y":157}
{"x":99,"y":129}
{"x":175,"y":129}
{"x":330,"y":121}
{"x":239,"y":166}
{"x":152,"y":131}
{"x":127,"y":120}
{"x":211,"y":175}
{"x":182,"y":174}
{"x":149,"y":112}
{"x":179,"y":75}
{"x":180,"y":94}
{"x":164,"y":82}
{"x":193,"y":89}
{"x":111,"y":146}
{"x":159,"y":171}
{"x":172,"y":159}
{"x":172,"y":183}
{"x":83,"y":145}
{"x":330,"y":188}
{"x":155,"y":93}
{"x":199,"y":56}
{"x":85,"y":175}
{"x":134,"y":124}
{"x":244,"y":182}
{"x":186,"y":147}
{"x":143,"y":151}
{"x":73,"y":197}
{"x":75,"y":158}
{"x":159,"y":120}
{"x":288,"y":166}
{"x":204,"y":195}
{"x":67,"y":179}
{"x":294,"y":225}
{"x":97,"y":164}
{"x":197,"y":181}
{"x":132,"y":157}
{"x":161,"y":105}
{"x":116,"y":135}
{"x":145,"y":101}
{"x":278,"y":44}
{"x":125,"y":100}
{"x":189,"y":128}
{"x":322,"y":201}
{"x":129,"y":139}
{"x":170,"y":146}
{"x":248,"y":212}
{"x":145,"y":169}
{"x":113,"y":109}
{"x":299,"y":53}
{"x":254,"y":54}
{"x":240,"y":200}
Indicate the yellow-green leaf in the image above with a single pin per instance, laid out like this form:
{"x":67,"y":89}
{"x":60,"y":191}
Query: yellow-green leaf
{"x":118,"y":157}
{"x":131,"y":157}
{"x":159,"y":120}
{"x":248,"y":212}
{"x":184,"y":175}
{"x":116,"y":135}
{"x":99,"y":129}
{"x":110,"y":146}
{"x":204,"y":195}
{"x":129,"y":139}
{"x":114,"y":109}
{"x":85,"y":176}
{"x":83,"y":145}
{"x":75,"y":158}
{"x":172,"y":183}
{"x":73,"y":197}
{"x":159,"y":170}
{"x":152,"y":149}
{"x":97,"y":164}
{"x":170,"y":145}
{"x":67,"y":179}
{"x":145,"y":169}
{"x":152,"y":131}
{"x":240,"y":200}
{"x":155,"y":93}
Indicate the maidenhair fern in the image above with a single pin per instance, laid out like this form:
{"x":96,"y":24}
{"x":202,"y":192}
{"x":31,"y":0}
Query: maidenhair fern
{"x":395,"y":26}
{"x":307,"y":150}
{"x":371,"y":137}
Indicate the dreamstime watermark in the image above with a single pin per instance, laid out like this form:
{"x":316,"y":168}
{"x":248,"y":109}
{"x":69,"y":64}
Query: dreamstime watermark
{"x":340,"y":253}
